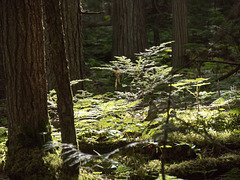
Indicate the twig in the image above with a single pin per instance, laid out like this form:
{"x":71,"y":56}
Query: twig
{"x":222,"y":62}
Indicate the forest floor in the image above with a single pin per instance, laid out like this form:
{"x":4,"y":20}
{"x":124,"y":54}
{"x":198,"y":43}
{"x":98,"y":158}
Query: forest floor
{"x":4,"y":176}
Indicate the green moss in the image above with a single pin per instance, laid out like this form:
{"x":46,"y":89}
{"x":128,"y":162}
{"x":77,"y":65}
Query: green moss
{"x":206,"y":166}
{"x":31,"y":137}
{"x":54,"y":163}
{"x":222,"y":141}
{"x":233,"y":174}
{"x":27,"y":164}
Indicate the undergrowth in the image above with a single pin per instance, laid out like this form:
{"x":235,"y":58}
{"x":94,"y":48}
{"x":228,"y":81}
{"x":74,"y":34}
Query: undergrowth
{"x":121,"y":133}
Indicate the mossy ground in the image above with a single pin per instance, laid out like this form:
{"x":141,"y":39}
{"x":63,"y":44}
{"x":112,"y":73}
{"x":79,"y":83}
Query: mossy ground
{"x":142,"y":161}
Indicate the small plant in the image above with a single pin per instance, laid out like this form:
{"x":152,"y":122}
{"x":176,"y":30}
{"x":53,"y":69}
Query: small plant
{"x":143,"y":78}
{"x":3,"y":147}
{"x":188,"y":84}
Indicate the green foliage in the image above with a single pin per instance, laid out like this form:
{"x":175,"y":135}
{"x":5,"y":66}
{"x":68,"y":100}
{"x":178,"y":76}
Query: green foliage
{"x":99,"y":43}
{"x":233,"y":174}
{"x":105,"y":118}
{"x":111,"y":118}
{"x":161,"y":53}
{"x":52,"y":97}
{"x":54,"y":162}
{"x":188,"y":84}
{"x":144,"y":77}
{"x":3,"y":147}
{"x":115,"y":139}
{"x":3,"y":153}
{"x":3,"y":134}
{"x":3,"y":121}
{"x":228,"y":98}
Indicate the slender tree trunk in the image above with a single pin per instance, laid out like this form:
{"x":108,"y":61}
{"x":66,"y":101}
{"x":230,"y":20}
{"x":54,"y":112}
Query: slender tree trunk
{"x":155,"y":29}
{"x":72,"y":23}
{"x":180,"y":35}
{"x":129,"y":34}
{"x":59,"y":67}
{"x":23,"y":55}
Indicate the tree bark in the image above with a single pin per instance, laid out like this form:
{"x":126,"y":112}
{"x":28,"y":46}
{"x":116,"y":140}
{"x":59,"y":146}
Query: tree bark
{"x":129,"y":34}
{"x":59,"y":68}
{"x":2,"y":73}
{"x":23,"y":56}
{"x":72,"y":24}
{"x":2,"y":76}
{"x":180,"y":35}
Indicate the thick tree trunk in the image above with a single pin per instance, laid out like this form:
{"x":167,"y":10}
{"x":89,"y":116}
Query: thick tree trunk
{"x":129,"y":34}
{"x":51,"y":81}
{"x":180,"y":35}
{"x":23,"y":55}
{"x":2,"y":76}
{"x":72,"y":23}
{"x":59,"y":67}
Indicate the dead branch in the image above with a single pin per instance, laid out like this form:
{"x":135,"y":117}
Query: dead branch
{"x":222,"y":62}
{"x":228,"y":74}
{"x":91,"y":12}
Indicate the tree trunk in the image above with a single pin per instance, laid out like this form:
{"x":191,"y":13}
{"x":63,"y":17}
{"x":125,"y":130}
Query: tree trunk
{"x":2,"y":74}
{"x":23,"y":55}
{"x":59,"y":67}
{"x":180,"y":35}
{"x":129,"y":34}
{"x":72,"y":23}
{"x":155,"y":28}
{"x":51,"y":81}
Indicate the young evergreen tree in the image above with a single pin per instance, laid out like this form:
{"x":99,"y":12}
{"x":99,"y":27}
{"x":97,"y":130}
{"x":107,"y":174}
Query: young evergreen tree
{"x":23,"y":56}
{"x":180,"y":32}
{"x":129,"y":34}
